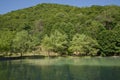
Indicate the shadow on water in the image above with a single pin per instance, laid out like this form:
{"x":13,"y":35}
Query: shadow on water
{"x":2,"y":58}
{"x":44,"y":69}
{"x":23,"y":57}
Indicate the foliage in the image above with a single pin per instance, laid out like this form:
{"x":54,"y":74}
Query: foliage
{"x":56,"y":42}
{"x":6,"y":40}
{"x":83,"y":45}
{"x":109,"y":42}
{"x":48,"y":24}
{"x":21,"y":42}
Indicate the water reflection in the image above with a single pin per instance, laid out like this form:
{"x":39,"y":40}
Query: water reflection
{"x":61,"y":69}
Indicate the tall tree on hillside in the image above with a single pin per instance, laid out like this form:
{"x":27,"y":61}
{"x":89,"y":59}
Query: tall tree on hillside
{"x":107,"y":17}
{"x":66,"y":28}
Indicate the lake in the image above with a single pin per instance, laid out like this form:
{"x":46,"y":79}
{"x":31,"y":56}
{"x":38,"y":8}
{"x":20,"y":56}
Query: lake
{"x":61,"y":68}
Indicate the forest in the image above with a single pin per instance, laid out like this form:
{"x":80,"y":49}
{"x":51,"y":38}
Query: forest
{"x":61,"y":29}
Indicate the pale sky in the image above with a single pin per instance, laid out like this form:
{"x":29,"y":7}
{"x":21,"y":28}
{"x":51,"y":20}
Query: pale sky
{"x":10,"y":5}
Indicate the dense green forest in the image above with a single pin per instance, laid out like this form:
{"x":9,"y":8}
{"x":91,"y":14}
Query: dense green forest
{"x":61,"y":29}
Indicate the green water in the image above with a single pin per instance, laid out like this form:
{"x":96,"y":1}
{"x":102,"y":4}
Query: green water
{"x":71,"y":68}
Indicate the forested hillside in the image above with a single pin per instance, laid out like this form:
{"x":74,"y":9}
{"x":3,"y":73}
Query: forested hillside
{"x":62,"y":29}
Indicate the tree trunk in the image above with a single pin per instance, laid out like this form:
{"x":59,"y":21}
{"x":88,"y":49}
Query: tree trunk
{"x":21,"y":54}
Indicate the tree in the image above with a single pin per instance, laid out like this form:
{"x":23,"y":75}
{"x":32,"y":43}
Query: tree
{"x":33,"y":42}
{"x":6,"y":41}
{"x":56,"y":42}
{"x":83,"y":45}
{"x":92,"y":28}
{"x":21,"y":42}
{"x":65,"y":28}
{"x":38,"y":26}
{"x":109,"y":42}
{"x":108,"y":16}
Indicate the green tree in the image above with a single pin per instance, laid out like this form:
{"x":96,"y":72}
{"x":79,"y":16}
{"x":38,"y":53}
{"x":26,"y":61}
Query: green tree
{"x":6,"y":41}
{"x":109,"y":42}
{"x":83,"y":45}
{"x":92,"y":28}
{"x":21,"y":42}
{"x":65,"y":28}
{"x":108,"y":16}
{"x":56,"y":42}
{"x":34,"y":40}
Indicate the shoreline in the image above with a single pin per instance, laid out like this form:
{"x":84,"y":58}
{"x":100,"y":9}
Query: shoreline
{"x":4,"y":58}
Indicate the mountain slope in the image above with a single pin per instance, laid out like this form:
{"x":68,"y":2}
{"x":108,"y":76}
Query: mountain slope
{"x":42,"y":19}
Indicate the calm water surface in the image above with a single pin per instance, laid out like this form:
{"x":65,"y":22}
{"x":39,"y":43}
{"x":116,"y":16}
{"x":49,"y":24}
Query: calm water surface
{"x":71,"y":68}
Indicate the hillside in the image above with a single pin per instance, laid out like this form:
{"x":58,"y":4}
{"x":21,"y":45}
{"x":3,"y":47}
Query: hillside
{"x":62,"y":29}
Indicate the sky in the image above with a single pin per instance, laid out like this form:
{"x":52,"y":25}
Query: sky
{"x":11,"y":5}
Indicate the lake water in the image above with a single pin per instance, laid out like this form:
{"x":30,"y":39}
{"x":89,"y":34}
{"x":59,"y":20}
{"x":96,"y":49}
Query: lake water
{"x":61,"y":68}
